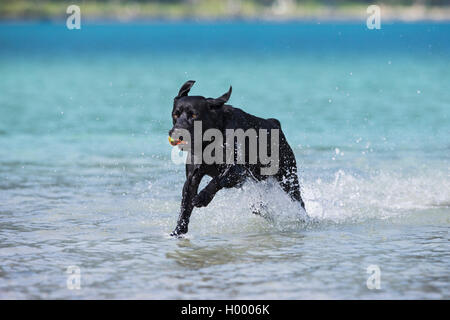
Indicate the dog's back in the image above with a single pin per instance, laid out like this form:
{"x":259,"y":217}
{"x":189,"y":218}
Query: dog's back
{"x":239,"y":119}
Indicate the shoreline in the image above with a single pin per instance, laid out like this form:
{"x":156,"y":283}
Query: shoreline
{"x":124,"y":13}
{"x":155,"y":21}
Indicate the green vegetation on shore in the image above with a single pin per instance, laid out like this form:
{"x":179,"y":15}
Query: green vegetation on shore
{"x":125,"y":10}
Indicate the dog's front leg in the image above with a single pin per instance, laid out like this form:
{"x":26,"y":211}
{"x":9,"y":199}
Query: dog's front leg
{"x":231,"y":177}
{"x":193,"y":177}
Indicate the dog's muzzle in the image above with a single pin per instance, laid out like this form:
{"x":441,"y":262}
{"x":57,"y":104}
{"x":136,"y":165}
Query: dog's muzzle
{"x":176,"y":137}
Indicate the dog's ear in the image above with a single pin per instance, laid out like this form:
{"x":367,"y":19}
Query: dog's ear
{"x":185,"y":89}
{"x":220,"y":101}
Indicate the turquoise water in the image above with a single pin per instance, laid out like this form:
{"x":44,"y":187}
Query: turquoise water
{"x":86,"y":178}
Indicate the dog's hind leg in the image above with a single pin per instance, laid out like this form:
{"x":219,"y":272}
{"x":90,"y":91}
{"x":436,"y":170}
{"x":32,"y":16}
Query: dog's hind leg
{"x":287,"y":172}
{"x":288,"y":181}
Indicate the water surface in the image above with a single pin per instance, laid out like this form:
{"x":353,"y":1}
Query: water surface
{"x":86,"y":178}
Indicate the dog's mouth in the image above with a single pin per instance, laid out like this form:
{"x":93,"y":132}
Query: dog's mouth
{"x":176,"y":142}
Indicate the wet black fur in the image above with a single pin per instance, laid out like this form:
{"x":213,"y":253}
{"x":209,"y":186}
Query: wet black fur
{"x":214,"y":113}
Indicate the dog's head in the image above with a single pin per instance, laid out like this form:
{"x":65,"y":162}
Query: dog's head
{"x":189,"y":109}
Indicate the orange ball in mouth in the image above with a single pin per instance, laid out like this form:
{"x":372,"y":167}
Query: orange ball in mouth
{"x":175,"y":142}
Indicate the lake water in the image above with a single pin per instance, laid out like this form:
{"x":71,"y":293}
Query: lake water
{"x":86,"y":178}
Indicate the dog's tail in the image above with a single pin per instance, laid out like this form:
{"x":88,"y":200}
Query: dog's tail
{"x":275,"y":122}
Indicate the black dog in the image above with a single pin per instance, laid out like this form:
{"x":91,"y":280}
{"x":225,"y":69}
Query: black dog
{"x":213,"y":113}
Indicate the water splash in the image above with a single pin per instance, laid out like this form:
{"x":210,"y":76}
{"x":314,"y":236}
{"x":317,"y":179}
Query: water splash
{"x":345,"y":198}
{"x":350,"y":197}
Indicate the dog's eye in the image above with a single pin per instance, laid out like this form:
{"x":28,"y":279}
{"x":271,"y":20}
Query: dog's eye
{"x":175,"y":116}
{"x":194,"y":116}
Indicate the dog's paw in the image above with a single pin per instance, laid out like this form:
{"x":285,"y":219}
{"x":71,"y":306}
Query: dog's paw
{"x":179,"y":232}
{"x":202,"y":199}
{"x":180,"y":229}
